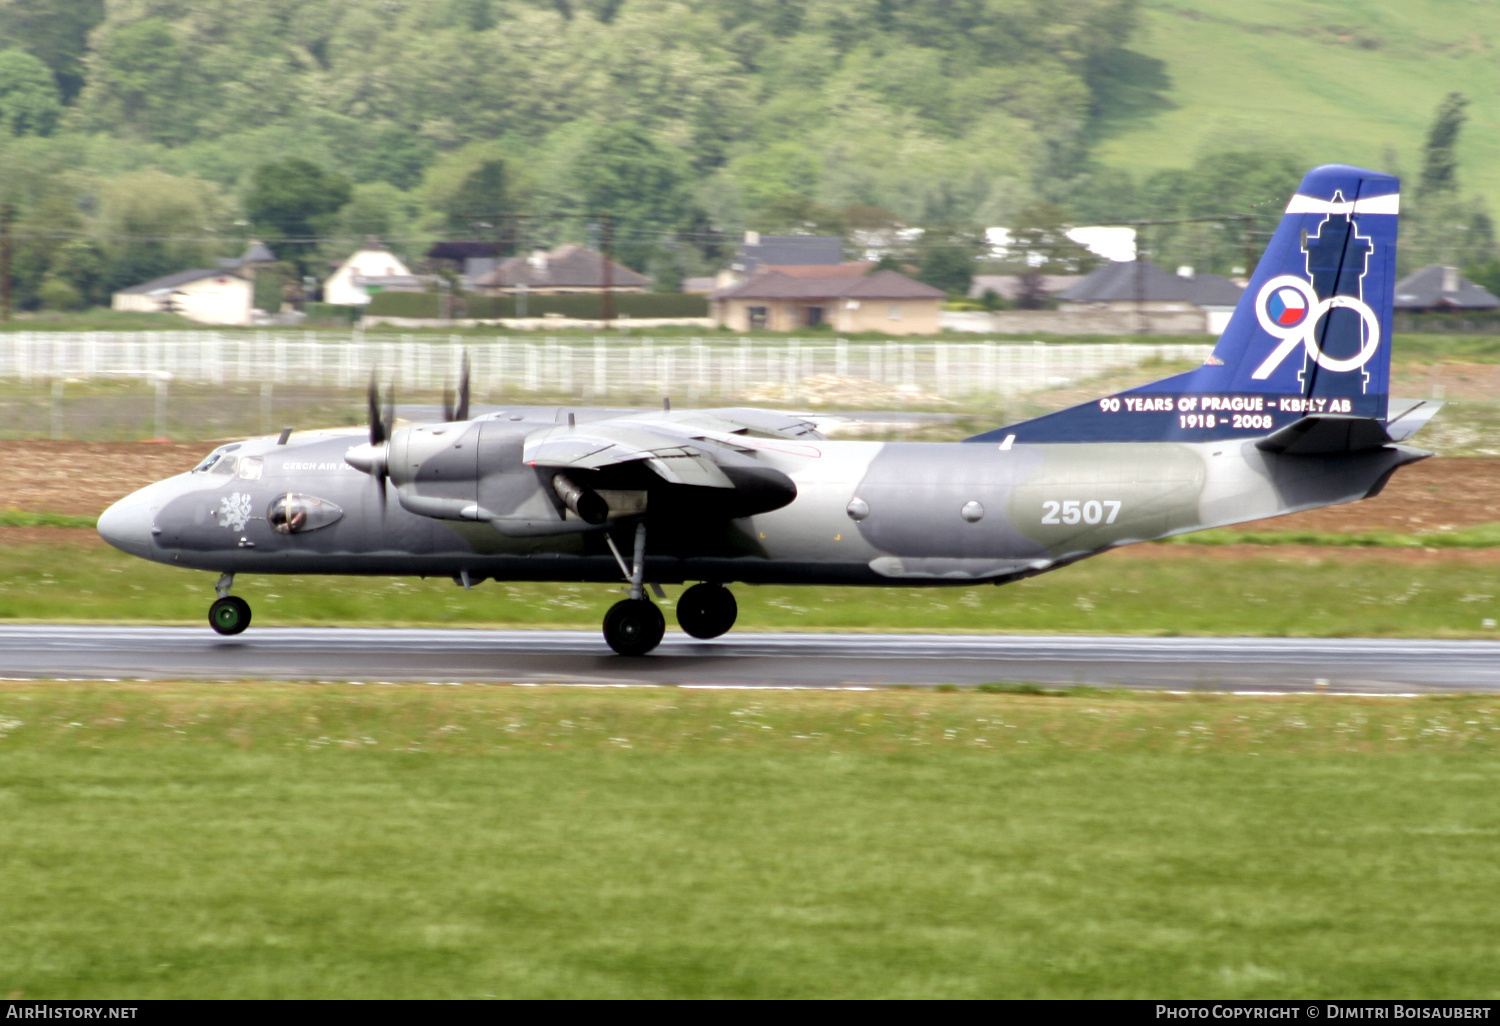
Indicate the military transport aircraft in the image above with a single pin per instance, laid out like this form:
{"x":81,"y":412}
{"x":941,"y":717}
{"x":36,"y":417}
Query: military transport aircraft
{"x":1290,"y":412}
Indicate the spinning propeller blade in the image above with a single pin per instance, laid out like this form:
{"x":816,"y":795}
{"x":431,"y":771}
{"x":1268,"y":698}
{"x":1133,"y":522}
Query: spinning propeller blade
{"x":459,"y":411}
{"x":377,"y":424}
{"x":462,"y":413}
{"x":381,"y":421}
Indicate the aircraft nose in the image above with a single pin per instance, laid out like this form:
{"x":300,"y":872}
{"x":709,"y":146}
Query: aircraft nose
{"x":127,"y":525}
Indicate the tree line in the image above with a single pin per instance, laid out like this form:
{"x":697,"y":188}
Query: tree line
{"x":140,"y":137}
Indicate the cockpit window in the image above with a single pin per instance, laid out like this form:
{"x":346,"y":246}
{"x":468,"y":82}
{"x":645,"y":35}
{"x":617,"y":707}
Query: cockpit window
{"x":250,"y":467}
{"x":215,"y":458}
{"x":225,"y":465}
{"x":294,"y":513}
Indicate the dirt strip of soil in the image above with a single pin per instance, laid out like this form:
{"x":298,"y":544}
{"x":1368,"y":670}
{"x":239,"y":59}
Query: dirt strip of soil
{"x":83,"y":478}
{"x":1433,"y":495}
{"x":13,"y":537}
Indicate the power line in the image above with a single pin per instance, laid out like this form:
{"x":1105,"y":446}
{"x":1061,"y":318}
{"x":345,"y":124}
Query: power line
{"x":6,"y":213}
{"x":620,"y":232}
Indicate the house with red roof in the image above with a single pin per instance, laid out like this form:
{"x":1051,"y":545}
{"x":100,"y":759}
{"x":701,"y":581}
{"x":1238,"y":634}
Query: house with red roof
{"x":850,"y":298}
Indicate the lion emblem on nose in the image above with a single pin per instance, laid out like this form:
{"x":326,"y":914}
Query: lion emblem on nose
{"x":234,"y":511}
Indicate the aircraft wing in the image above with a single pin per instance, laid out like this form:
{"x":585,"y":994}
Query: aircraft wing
{"x":672,"y":456}
{"x":688,"y":447}
{"x":746,"y":421}
{"x":723,"y":452}
{"x":710,"y":469}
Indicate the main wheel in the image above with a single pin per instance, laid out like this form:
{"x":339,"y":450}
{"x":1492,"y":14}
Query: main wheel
{"x":707,"y":610}
{"x":229,"y":615}
{"x":634,"y":627}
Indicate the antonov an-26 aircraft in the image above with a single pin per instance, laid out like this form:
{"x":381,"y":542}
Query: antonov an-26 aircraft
{"x":1289,"y":413}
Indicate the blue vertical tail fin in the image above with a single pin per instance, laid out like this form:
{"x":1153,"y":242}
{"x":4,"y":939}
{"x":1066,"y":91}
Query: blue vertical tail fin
{"x":1310,"y":335}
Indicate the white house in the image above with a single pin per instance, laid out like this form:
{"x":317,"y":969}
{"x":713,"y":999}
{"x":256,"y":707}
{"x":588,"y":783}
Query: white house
{"x":368,"y":271}
{"x":218,"y":296}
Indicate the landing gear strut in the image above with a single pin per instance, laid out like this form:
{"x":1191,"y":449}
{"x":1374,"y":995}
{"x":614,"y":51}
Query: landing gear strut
{"x":229,"y":614}
{"x":634,"y":626}
{"x":707,"y":610}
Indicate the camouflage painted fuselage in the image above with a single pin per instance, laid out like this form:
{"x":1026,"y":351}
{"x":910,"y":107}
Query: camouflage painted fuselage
{"x":858,"y":512}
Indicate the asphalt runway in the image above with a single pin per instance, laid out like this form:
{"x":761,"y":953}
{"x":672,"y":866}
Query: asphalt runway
{"x":749,"y":660}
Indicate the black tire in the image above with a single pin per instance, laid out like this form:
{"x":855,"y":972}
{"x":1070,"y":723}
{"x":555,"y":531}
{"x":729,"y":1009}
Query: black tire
{"x":707,"y":610}
{"x":229,"y":615}
{"x":634,"y":627}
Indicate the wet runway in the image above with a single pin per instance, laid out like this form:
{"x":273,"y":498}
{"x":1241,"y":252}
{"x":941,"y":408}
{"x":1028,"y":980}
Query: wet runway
{"x":751,"y":660}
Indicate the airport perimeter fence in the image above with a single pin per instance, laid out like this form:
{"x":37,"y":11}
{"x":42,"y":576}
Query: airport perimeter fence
{"x":690,"y":370}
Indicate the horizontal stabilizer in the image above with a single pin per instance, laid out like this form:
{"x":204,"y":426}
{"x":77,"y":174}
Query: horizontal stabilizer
{"x":1408,"y":416}
{"x":1326,"y":434}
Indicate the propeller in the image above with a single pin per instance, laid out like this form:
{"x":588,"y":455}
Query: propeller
{"x":380,"y":429}
{"x":372,"y":458}
{"x":460,"y":411}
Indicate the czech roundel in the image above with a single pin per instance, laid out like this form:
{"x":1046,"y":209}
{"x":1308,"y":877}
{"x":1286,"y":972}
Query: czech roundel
{"x":1287,"y":307}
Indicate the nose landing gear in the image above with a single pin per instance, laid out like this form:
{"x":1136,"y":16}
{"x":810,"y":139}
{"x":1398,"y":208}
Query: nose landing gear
{"x":229,"y":614}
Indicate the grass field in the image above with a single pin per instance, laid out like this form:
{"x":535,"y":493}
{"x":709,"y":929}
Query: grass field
{"x":1275,"y":590}
{"x":275,"y":840}
{"x":1347,"y":81}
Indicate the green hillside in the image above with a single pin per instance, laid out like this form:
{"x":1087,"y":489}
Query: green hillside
{"x":139,"y":137}
{"x":1353,"y":81}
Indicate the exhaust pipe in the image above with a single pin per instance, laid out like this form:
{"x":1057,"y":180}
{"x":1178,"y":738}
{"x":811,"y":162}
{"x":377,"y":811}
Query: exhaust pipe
{"x":591,"y":509}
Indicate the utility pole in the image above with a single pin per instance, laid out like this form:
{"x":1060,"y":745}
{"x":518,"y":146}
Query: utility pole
{"x":1141,"y":325}
{"x":607,"y":250}
{"x":6,"y":214}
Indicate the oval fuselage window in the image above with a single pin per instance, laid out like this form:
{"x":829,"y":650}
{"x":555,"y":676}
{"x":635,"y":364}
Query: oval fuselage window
{"x":296,"y":514}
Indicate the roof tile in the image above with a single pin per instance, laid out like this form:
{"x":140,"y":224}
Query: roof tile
{"x":880,"y":285}
{"x":1439,"y":286}
{"x":171,"y":281}
{"x":1126,"y":281}
{"x":567,"y":266}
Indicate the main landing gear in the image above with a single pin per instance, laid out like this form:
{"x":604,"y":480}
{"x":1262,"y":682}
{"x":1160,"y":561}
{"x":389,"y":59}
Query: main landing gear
{"x":635,"y":626}
{"x":229,"y":614}
{"x":707,"y":610}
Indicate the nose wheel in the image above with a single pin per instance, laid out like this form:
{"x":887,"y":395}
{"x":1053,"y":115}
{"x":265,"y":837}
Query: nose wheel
{"x":707,"y":610}
{"x":229,"y":614}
